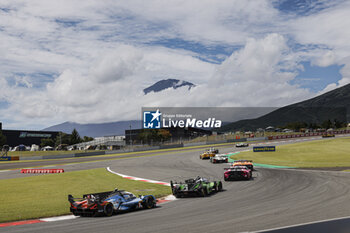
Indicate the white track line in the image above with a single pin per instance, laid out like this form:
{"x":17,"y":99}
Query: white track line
{"x":137,"y":178}
{"x":60,"y":218}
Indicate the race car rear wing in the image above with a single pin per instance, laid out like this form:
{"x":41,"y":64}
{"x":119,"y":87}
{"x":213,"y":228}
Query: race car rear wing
{"x":97,"y":196}
{"x":236,"y":168}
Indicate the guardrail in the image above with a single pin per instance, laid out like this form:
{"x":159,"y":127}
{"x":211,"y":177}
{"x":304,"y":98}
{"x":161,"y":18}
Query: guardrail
{"x":308,"y":134}
{"x":136,"y":148}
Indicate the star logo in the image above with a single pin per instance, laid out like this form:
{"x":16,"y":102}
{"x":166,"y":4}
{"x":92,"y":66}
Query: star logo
{"x":156,"y":115}
{"x":152,"y":119}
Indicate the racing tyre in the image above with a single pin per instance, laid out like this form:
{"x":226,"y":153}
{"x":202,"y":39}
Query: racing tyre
{"x":204,"y":192}
{"x":108,"y":209}
{"x":75,"y":213}
{"x":220,"y":186}
{"x":215,"y":186}
{"x":148,"y":203}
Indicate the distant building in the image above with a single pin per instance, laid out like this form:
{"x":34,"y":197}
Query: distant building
{"x":177,"y":134}
{"x":26,"y":137}
{"x":270,"y":129}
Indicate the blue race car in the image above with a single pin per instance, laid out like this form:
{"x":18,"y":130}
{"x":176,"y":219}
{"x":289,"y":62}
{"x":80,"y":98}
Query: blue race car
{"x":107,"y":203}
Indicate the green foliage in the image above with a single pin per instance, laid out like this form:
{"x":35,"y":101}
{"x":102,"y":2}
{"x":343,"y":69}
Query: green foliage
{"x":75,"y":137}
{"x":46,"y":195}
{"x":87,"y":139}
{"x":327,"y":124}
{"x":150,"y":136}
{"x":164,"y":134}
{"x":296,"y":126}
{"x":47,"y":142}
{"x":70,"y":139}
{"x":338,"y":124}
{"x":62,"y":138}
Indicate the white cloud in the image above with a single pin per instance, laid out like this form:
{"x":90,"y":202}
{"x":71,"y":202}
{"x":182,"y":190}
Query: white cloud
{"x":345,"y":72}
{"x":247,"y":78}
{"x":101,"y":59}
{"x":326,"y":59}
{"x":118,"y":65}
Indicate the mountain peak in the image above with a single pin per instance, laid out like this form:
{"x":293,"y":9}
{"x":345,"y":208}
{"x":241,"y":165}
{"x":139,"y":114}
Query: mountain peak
{"x":167,"y":83}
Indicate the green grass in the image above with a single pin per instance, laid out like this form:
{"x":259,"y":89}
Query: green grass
{"x":323,"y":153}
{"x":46,"y":195}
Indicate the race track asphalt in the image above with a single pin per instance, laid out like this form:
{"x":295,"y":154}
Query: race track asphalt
{"x":274,"y":198}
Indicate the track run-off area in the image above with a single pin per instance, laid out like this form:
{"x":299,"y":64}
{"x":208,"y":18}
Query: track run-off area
{"x":273,"y":199}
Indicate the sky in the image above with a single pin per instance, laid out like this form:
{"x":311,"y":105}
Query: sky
{"x":89,"y":61}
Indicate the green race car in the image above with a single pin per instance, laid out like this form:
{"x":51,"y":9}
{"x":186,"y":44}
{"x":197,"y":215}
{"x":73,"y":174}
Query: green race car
{"x":195,"y":187}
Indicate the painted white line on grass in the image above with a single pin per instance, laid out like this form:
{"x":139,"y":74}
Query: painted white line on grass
{"x":4,"y":170}
{"x":137,"y":178}
{"x":59,"y":218}
{"x":301,"y":224}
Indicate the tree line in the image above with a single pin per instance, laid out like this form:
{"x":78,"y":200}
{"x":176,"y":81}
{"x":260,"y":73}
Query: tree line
{"x":65,"y":139}
{"x":327,"y":124}
{"x":149,"y":136}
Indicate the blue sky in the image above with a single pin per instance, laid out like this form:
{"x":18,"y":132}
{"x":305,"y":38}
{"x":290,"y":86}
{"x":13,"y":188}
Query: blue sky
{"x":88,"y":62}
{"x":317,"y":78}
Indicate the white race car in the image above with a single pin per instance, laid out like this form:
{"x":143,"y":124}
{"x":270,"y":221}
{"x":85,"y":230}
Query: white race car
{"x":219,"y":158}
{"x":242,"y":144}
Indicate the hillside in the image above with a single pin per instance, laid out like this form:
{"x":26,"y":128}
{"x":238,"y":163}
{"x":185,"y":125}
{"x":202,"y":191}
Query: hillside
{"x":96,"y":130}
{"x":331,"y":105}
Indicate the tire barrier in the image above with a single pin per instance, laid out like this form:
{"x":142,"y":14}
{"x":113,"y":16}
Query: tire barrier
{"x":42,"y":171}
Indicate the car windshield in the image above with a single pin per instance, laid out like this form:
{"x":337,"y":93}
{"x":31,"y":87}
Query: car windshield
{"x":201,"y":179}
{"x":128,"y":196}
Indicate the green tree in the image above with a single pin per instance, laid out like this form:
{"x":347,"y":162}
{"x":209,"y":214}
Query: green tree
{"x":296,"y":126}
{"x":47,"y":142}
{"x":87,"y":139}
{"x":313,"y":126}
{"x":164,"y":134}
{"x":62,"y":138}
{"x":339,"y":124}
{"x":327,"y":124}
{"x":75,"y":137}
{"x":154,"y":135}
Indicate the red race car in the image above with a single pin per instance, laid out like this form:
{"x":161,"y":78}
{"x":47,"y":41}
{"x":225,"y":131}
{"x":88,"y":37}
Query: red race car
{"x":237,"y":173}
